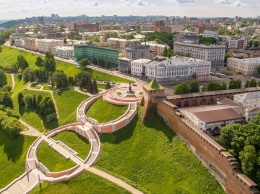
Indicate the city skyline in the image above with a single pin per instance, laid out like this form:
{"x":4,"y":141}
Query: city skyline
{"x":190,"y":8}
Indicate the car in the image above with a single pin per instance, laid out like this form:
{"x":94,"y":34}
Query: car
{"x":134,"y":84}
{"x":113,"y":82}
{"x":104,"y":82}
{"x":231,"y":78}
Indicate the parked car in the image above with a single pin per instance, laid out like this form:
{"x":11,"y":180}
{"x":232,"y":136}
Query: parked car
{"x":134,"y":84}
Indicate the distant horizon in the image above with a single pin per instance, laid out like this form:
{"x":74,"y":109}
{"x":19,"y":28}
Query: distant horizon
{"x":14,"y":9}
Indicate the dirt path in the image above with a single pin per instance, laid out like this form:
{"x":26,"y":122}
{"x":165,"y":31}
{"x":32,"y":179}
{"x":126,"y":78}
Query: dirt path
{"x":13,"y":82}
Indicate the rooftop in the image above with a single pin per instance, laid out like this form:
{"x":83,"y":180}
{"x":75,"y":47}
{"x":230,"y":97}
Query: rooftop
{"x":153,"y":85}
{"x":201,"y":45}
{"x":248,"y":96}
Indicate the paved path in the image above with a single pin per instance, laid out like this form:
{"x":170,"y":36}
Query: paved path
{"x":31,"y":130}
{"x":78,"y":90}
{"x":13,"y":82}
{"x":52,"y":96}
{"x":26,"y":182}
{"x":113,"y":179}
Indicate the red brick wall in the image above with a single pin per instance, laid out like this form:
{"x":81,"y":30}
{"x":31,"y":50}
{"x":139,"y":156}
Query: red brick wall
{"x":207,"y":150}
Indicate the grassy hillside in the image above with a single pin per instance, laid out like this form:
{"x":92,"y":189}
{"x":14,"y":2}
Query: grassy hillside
{"x":84,"y":183}
{"x":12,"y":156}
{"x":103,"y":111}
{"x":8,"y":56}
{"x":152,"y":157}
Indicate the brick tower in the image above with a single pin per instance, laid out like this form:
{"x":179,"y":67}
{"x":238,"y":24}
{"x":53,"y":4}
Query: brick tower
{"x":151,"y":92}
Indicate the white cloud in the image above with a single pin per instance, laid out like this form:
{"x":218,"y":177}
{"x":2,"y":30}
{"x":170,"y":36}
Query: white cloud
{"x":95,"y":4}
{"x":18,"y":9}
{"x":240,"y":4}
{"x":224,"y":2}
{"x":140,"y":3}
{"x":185,"y":1}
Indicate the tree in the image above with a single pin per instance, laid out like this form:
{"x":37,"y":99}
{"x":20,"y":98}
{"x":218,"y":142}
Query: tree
{"x":65,"y":40}
{"x":20,"y":99}
{"x":49,"y":64}
{"x":11,"y":126}
{"x":165,"y":52}
{"x":84,"y":62}
{"x":224,"y":85}
{"x":247,"y":84}
{"x":47,"y":107}
{"x":213,"y":86}
{"x":252,"y":83}
{"x":21,"y":62}
{"x":234,"y":84}
{"x":38,"y":101}
{"x":39,"y":61}
{"x":248,"y":159}
{"x":108,"y":86}
{"x":258,"y":69}
{"x":60,"y":79}
{"x":182,"y":88}
{"x":28,"y":75}
{"x":250,"y":44}
{"x":194,"y":76}
{"x":28,"y":100}
{"x":82,"y":78}
{"x":41,"y":75}
{"x":95,"y":87}
{"x":1,"y":49}
{"x":194,"y":87}
{"x":256,"y":44}
{"x":3,"y":78}
{"x":7,"y":100}
{"x":71,"y":81}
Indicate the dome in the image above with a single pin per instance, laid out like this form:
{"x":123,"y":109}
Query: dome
{"x":161,"y":65}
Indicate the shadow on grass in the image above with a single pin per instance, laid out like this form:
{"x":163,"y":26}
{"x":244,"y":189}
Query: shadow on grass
{"x":122,"y":134}
{"x":50,"y":125}
{"x":13,"y":147}
{"x":159,"y":124}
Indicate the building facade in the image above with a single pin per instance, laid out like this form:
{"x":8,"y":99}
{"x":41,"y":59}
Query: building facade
{"x":31,"y":44}
{"x":177,"y":69}
{"x":156,"y":48}
{"x":212,"y":53}
{"x":80,"y":27}
{"x":46,"y":45}
{"x":19,"y":42}
{"x":97,"y":55}
{"x":138,"y":67}
{"x":65,"y":52}
{"x":211,"y":34}
{"x":246,"y":66}
{"x":138,"y":52}
{"x":124,"y":65}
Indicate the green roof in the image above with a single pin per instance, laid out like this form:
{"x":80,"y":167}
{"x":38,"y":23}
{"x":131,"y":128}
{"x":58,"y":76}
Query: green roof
{"x":153,"y":85}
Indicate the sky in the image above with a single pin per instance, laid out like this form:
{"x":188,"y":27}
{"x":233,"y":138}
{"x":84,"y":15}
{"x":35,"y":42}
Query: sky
{"x":19,"y":9}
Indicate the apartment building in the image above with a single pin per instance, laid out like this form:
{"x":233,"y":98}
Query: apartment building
{"x":246,"y":66}
{"x":85,"y":27}
{"x":65,"y":52}
{"x":212,"y":53}
{"x":31,"y":44}
{"x":46,"y":45}
{"x":156,"y":48}
{"x":211,"y":34}
{"x":19,"y":42}
{"x":137,"y":52}
{"x":124,"y":65}
{"x":177,"y":68}
{"x":123,"y":43}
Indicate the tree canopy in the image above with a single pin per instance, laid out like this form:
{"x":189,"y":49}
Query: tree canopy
{"x":84,"y":62}
{"x":3,"y":78}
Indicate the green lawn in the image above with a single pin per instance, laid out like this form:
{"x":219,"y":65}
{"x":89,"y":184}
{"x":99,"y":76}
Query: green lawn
{"x":12,"y":156}
{"x":75,"y":141}
{"x":84,"y":183}
{"x":102,"y":86}
{"x":9,"y":55}
{"x":9,"y":79}
{"x":27,"y":114}
{"x":68,"y":102}
{"x":52,"y":159}
{"x":153,"y":158}
{"x":104,"y":112}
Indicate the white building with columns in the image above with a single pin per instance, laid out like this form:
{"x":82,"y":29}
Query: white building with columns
{"x":212,"y":53}
{"x":177,"y":68}
{"x":138,"y":67}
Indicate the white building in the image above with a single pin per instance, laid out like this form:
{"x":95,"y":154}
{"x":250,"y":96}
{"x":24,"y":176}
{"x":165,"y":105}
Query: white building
{"x":212,"y":53}
{"x":19,"y":43}
{"x":46,"y":45}
{"x":246,"y":66}
{"x":65,"y":52}
{"x":212,"y":117}
{"x":155,"y":47}
{"x":177,"y":69}
{"x":138,"y":66}
{"x":212,"y":34}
